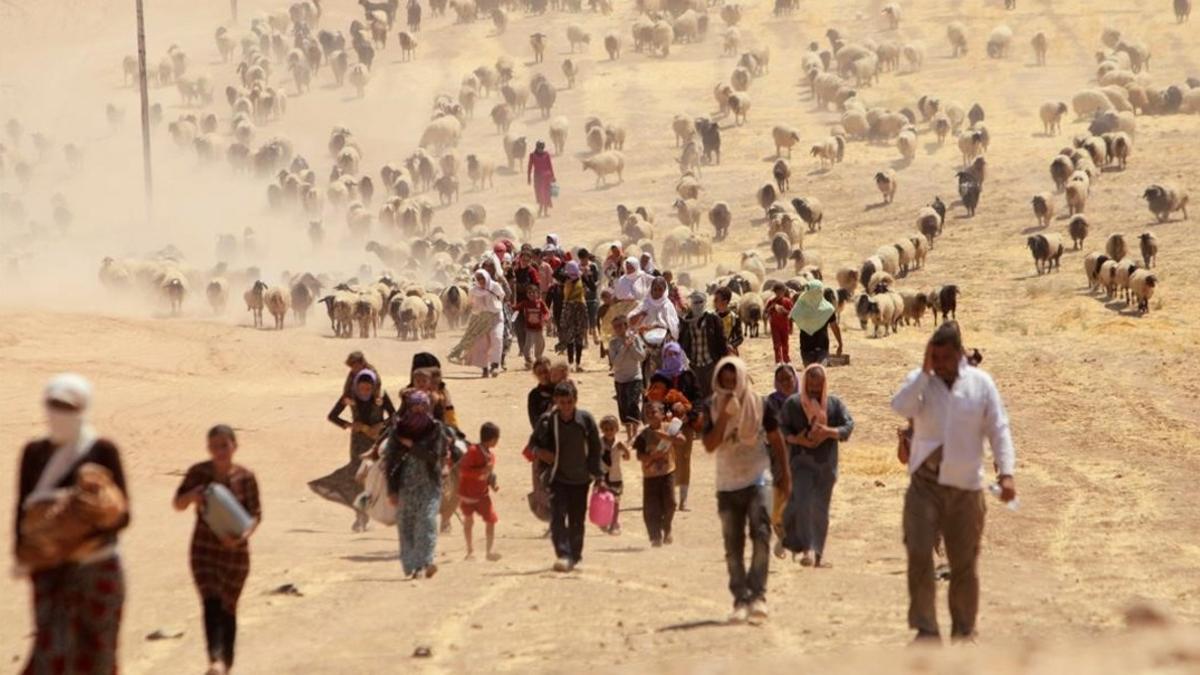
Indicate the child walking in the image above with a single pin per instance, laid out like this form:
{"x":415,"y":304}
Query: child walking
{"x":476,"y":477}
{"x":655,"y":451}
{"x":626,"y":352}
{"x":612,"y":452}
{"x":778,"y":310}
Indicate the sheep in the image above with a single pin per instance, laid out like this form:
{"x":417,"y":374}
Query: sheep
{"x":920,"y":250}
{"x":367,"y":310}
{"x":217,"y":293}
{"x":908,"y":254}
{"x":1078,"y":229}
{"x":710,"y":139}
{"x":1164,"y":199}
{"x":407,"y":313}
{"x":524,"y":218}
{"x":1040,"y":45}
{"x":433,"y":315}
{"x":689,"y":159}
{"x":971,"y":144}
{"x":441,"y":134}
{"x":766,"y":197}
{"x":1183,"y":10}
{"x":753,"y":264}
{"x":944,"y":299}
{"x":604,"y":164}
{"x":480,"y":172}
{"x":751,"y":310}
{"x":886,"y":182}
{"x":941,"y":126}
{"x":1047,"y":250}
{"x":810,"y":211}
{"x":906,"y":143}
{"x":661,"y":35}
{"x":969,"y":190}
{"x":914,"y":54}
{"x":1061,"y":170}
{"x":612,"y":45}
{"x":1149,"y":247}
{"x":956,"y":33}
{"x":1142,"y":285}
{"x":870,"y":268}
{"x":684,"y":129}
{"x":473,"y":216}
{"x":892,"y":12}
{"x":720,"y":218}
{"x":1107,"y":278}
{"x":1125,"y":270}
{"x":455,"y":305}
{"x":502,"y":116}
{"x":1089,"y":102}
{"x":784,"y":137}
{"x":688,"y":212}
{"x":885,"y":309}
{"x":514,"y":150}
{"x":779,"y":220}
{"x":890,"y":259}
{"x":1117,"y":148}
{"x":595,"y":139}
{"x":558,"y":134}
{"x":614,"y":137}
{"x":999,"y":41}
{"x":699,"y":248}
{"x":929,"y":224}
{"x":277,"y":303}
{"x":1076,"y":197}
{"x":673,"y":244}
{"x":1052,"y":113}
{"x":545,"y":95}
{"x":1091,"y":266}
{"x":782,"y":173}
{"x":854,"y":123}
{"x":570,"y":71}
{"x":1043,"y":208}
{"x":915,"y":305}
{"x":739,"y":104}
{"x":781,"y":248}
{"x":254,"y":302}
{"x":538,"y":42}
{"x":827,"y":152}
{"x":1115,"y":248}
{"x":688,"y":186}
{"x":577,"y":38}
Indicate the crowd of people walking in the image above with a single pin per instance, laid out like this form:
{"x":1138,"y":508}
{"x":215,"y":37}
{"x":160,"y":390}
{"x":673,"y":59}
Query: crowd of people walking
{"x":678,"y":377}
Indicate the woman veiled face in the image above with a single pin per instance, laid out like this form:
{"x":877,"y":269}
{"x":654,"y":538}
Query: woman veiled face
{"x":363,"y":389}
{"x":785,"y":381}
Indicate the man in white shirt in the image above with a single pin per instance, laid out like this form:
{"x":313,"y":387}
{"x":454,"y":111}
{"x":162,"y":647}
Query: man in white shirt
{"x":954,"y":406}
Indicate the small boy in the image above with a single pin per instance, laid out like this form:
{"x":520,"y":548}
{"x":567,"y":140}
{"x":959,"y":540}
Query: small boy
{"x":654,"y":450}
{"x":476,"y":477}
{"x":533,"y":312}
{"x":731,"y":323}
{"x":611,"y":453}
{"x":778,"y":309}
{"x":626,"y":352}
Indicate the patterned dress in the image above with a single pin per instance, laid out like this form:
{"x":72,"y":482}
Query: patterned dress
{"x":220,"y":571}
{"x":416,"y":476}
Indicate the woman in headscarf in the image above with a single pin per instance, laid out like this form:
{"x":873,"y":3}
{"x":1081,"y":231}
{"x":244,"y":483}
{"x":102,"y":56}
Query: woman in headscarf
{"x":786,"y":384}
{"x":573,"y":325}
{"x":657,"y":311}
{"x":220,"y":564}
{"x":419,"y":447}
{"x":814,"y":315}
{"x":813,"y":424}
{"x":78,"y":585}
{"x":680,"y":378}
{"x":426,"y":374}
{"x":483,"y":341}
{"x":628,"y":291}
{"x":540,"y":174}
{"x":370,"y":409}
{"x":647,"y":264}
{"x":614,"y":263}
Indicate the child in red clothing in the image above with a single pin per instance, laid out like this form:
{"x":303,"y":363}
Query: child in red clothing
{"x":476,"y":478}
{"x":534,"y":313}
{"x":778,"y":308}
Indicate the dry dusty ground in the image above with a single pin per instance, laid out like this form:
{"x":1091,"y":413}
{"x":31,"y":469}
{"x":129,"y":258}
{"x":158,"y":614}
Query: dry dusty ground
{"x":1103,"y":403}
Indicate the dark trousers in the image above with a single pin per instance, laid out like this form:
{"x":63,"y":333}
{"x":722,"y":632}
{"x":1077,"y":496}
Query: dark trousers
{"x":741,"y":510}
{"x":930,"y":508}
{"x":519,"y":333}
{"x":658,"y":505}
{"x":220,"y":631}
{"x":704,"y":376}
{"x":568,"y":516}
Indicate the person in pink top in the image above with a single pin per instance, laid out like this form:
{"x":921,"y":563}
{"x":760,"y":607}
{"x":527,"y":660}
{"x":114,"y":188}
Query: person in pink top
{"x":540,"y":173}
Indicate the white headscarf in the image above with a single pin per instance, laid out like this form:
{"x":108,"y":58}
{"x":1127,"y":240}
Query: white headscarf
{"x":633,"y":285}
{"x":490,"y":297}
{"x":70,"y":432}
{"x":744,"y":405}
{"x":660,"y":312}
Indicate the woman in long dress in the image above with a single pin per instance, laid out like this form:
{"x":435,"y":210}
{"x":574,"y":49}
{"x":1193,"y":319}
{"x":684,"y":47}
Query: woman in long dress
{"x":787,"y":382}
{"x":370,"y":409}
{"x":419,"y":448}
{"x":483,"y":341}
{"x":77,"y":597}
{"x":540,"y":173}
{"x":220,"y":564}
{"x":573,"y":325}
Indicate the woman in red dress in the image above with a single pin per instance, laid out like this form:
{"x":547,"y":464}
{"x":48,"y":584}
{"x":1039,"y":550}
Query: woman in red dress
{"x":540,"y":173}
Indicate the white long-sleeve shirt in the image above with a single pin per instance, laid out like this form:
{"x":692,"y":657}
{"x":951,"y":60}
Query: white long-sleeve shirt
{"x":957,"y":419}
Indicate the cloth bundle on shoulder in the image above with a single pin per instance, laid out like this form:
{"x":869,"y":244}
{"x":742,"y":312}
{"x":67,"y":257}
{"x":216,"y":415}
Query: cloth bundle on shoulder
{"x":374,"y":499}
{"x":63,"y":529}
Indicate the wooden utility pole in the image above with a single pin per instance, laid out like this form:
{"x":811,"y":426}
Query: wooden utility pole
{"x":141,"y":46}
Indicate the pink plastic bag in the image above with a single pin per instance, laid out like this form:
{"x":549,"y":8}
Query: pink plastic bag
{"x":602,"y":508}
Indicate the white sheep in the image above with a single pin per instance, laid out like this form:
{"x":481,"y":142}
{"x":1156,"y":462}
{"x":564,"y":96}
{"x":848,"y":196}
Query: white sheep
{"x":605,"y":164}
{"x":1052,"y":113}
{"x":956,"y":33}
{"x":886,"y":182}
{"x":277,"y":301}
{"x":1077,"y":194}
{"x":1142,"y":285}
{"x":785,"y":137}
{"x":999,"y":41}
{"x":254,"y":302}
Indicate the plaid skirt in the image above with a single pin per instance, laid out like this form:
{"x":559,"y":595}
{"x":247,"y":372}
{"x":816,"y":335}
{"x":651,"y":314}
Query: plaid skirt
{"x":479,"y":328}
{"x":77,"y":614}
